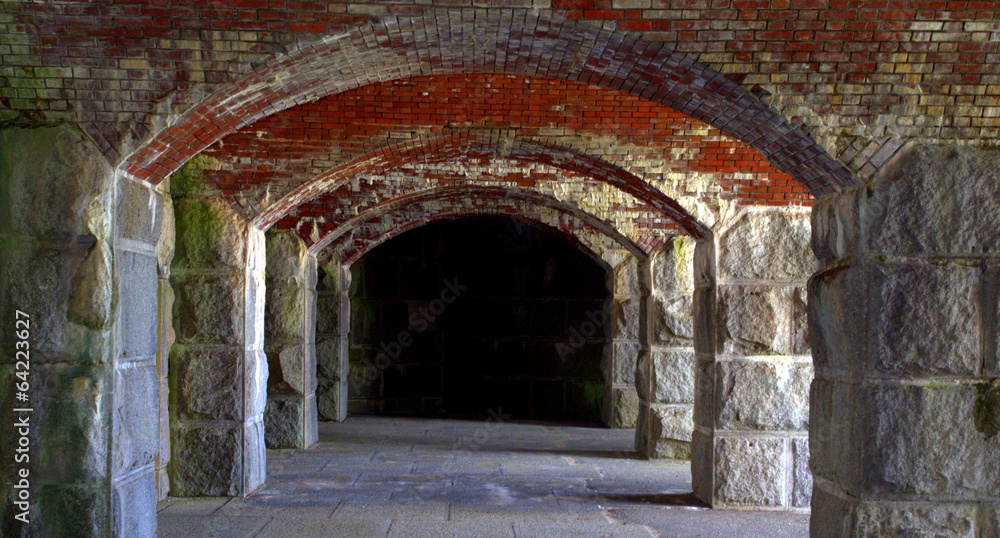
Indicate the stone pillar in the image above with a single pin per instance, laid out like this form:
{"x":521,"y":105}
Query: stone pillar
{"x":621,"y":354}
{"x":750,"y":446}
{"x":80,"y":264}
{"x":218,"y":369}
{"x":333,"y":323}
{"x":905,"y":422}
{"x":290,"y":337}
{"x":666,"y":379}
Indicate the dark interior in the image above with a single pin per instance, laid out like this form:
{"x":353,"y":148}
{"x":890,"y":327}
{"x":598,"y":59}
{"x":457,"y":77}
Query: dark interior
{"x":477,"y":317}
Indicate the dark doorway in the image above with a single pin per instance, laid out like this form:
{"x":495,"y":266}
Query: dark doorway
{"x":478,"y":317}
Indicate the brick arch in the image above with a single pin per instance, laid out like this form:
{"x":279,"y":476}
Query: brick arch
{"x":493,"y":41}
{"x":369,"y":229}
{"x":466,"y":144}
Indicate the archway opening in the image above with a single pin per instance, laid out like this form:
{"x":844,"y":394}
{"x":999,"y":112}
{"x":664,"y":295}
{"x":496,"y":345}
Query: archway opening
{"x":478,"y":317}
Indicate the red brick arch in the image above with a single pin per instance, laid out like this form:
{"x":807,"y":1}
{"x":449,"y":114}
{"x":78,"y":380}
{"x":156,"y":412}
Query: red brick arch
{"x":493,"y":41}
{"x":470,"y":144}
{"x":459,"y":202}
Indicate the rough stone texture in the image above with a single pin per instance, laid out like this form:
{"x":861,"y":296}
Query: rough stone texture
{"x":704,"y":392}
{"x":702,"y":464}
{"x":137,"y":491}
{"x":623,"y":409}
{"x":939,"y":200}
{"x":626,"y":318}
{"x":673,"y":376}
{"x":932,"y":310}
{"x":673,"y":266}
{"x":749,"y":471}
{"x":283,"y":422}
{"x":766,"y":245}
{"x":671,"y":427}
{"x":212,"y":460}
{"x":209,"y":308}
{"x":623,"y":362}
{"x":206,"y":383}
{"x":894,"y":519}
{"x":209,"y":234}
{"x":905,"y":429}
{"x":673,"y":320}
{"x":138,"y":283}
{"x":754,"y":320}
{"x":763,"y":396}
{"x":802,"y":478}
{"x":135,"y":420}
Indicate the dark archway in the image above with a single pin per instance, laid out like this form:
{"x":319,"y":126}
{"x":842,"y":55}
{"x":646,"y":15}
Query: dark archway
{"x":474,"y":316}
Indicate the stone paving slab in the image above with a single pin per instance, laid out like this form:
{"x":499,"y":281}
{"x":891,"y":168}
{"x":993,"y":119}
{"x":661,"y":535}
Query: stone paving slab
{"x":376,"y":477}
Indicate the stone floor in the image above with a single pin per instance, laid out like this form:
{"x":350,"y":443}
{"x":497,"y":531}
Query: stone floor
{"x":418,"y":477}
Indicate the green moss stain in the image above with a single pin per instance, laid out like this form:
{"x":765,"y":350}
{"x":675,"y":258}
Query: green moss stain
{"x":189,"y":180}
{"x":199,"y":227}
{"x":986,"y":414}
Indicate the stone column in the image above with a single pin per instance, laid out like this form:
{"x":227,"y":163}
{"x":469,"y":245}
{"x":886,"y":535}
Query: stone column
{"x":621,"y":354}
{"x":290,"y":337}
{"x":80,"y":264}
{"x":218,"y":369}
{"x":333,"y":318}
{"x":666,"y":379}
{"x":905,"y":423}
{"x":750,"y":446}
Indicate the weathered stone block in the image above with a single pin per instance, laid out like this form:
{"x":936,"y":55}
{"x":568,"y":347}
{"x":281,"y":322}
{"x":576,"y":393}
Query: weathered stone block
{"x":133,"y":506}
{"x":621,"y":407}
{"x":704,"y":263}
{"x":207,"y":460}
{"x":135,"y":420}
{"x":140,"y":213}
{"x":255,"y":374}
{"x":71,"y":510}
{"x":770,"y":244}
{"x":254,"y":457}
{"x":287,"y":259}
{"x":137,"y":292}
{"x":626,"y":359}
{"x":65,"y":191}
{"x":924,"y":319}
{"x":908,"y":425}
{"x":800,"y":322}
{"x":703,"y":465}
{"x":626,"y":318}
{"x":835,"y":227}
{"x":285,"y":313}
{"x":673,"y":266}
{"x":210,"y":234}
{"x":673,"y":320}
{"x":913,"y":519}
{"x":674,"y":373}
{"x":749,"y":471}
{"x":763,"y":396}
{"x":802,"y":480}
{"x":935,"y":201}
{"x":165,"y":325}
{"x":209,"y":309}
{"x":671,"y":427}
{"x":328,"y":314}
{"x":754,"y":320}
{"x":834,"y":435}
{"x":627,"y":277}
{"x":704,"y":320}
{"x":207,"y":382}
{"x":704,"y":391}
{"x":284,"y":422}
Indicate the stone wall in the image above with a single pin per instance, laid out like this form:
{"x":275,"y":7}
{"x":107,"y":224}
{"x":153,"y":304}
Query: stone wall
{"x":754,"y":365}
{"x":333,"y":326}
{"x":666,"y":377}
{"x":627,"y":284}
{"x":290,"y":338}
{"x":81,"y":259}
{"x":903,"y":320}
{"x":218,"y":368}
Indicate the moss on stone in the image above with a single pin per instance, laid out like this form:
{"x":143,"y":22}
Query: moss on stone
{"x":986,"y":414}
{"x":189,"y":180}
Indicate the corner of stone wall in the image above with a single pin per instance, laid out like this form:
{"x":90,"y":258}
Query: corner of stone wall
{"x":333,"y":318}
{"x":754,"y":365}
{"x":289,"y":329}
{"x":903,"y":318}
{"x":621,"y":405}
